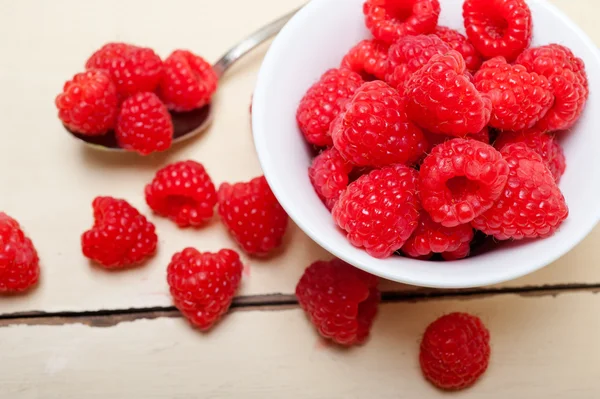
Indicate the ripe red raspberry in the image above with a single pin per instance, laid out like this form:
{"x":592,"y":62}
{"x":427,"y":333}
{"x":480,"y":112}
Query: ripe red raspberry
{"x":568,"y":81}
{"x":88,"y":103}
{"x":188,"y":81}
{"x":460,"y":179}
{"x":203,"y":284}
{"x":329,"y":176}
{"x":19,"y":262}
{"x":390,"y":20}
{"x":455,"y":351}
{"x":144,"y":124}
{"x":531,"y":205}
{"x":431,"y":237}
{"x":519,"y":98}
{"x":133,"y":69}
{"x":460,"y":253}
{"x":368,"y":58}
{"x":541,"y":142}
{"x":442,"y":99}
{"x":380,"y":210}
{"x":460,"y":43}
{"x":120,"y":237}
{"x":408,"y":55}
{"x":340,"y":300}
{"x":498,"y":27}
{"x":374,"y":130}
{"x":252,"y":215}
{"x":323,"y":102}
{"x":182,"y":192}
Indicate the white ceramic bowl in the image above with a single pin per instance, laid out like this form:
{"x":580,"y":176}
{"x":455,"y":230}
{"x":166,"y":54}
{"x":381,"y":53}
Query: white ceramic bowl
{"x":316,"y":39}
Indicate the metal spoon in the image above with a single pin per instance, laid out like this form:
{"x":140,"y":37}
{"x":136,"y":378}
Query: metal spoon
{"x":189,"y":124}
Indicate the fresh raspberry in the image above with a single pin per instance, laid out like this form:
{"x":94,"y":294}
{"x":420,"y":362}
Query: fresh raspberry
{"x":252,"y":215}
{"x":498,"y":27}
{"x":461,"y":179}
{"x":19,"y":262}
{"x":442,"y":99}
{"x":340,"y":300}
{"x":409,"y":54}
{"x":541,"y":142}
{"x":568,"y":81}
{"x":188,"y":82}
{"x":461,"y":252}
{"x":323,"y":102}
{"x":144,"y":124}
{"x":519,"y":98}
{"x":431,"y":237}
{"x":531,"y":205}
{"x":374,"y":130}
{"x":329,"y":176}
{"x":455,"y":351}
{"x":380,"y":210}
{"x":203,"y":284}
{"x":88,"y":103}
{"x":120,"y":237}
{"x":460,"y":43}
{"x":368,"y":58}
{"x":133,"y":69}
{"x":390,"y":20}
{"x":182,"y":192}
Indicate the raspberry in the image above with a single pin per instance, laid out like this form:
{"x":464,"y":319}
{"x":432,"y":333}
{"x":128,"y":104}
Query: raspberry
{"x":203,"y":284}
{"x":531,"y":205}
{"x":431,"y":237}
{"x":380,"y":210}
{"x":568,"y":81}
{"x":541,"y":142}
{"x":188,"y":82}
{"x":374,"y":130}
{"x":19,"y":262}
{"x":133,"y":69}
{"x":498,"y":27}
{"x":390,"y":20}
{"x":340,"y":301}
{"x":88,"y":103}
{"x":182,"y":192}
{"x":461,"y":179}
{"x":323,"y":102}
{"x":455,"y":351}
{"x":461,"y":252}
{"x":460,"y":43}
{"x":519,"y":98}
{"x":329,"y":176}
{"x":368,"y":58}
{"x":409,"y":54}
{"x":252,"y":215}
{"x":144,"y":124}
{"x":120,"y":237}
{"x":442,"y":99}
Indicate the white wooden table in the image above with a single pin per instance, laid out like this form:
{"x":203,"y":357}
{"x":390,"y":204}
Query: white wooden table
{"x":88,"y":333}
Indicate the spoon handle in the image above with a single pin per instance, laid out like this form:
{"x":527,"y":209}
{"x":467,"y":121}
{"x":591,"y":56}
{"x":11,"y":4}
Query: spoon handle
{"x":255,"y":39}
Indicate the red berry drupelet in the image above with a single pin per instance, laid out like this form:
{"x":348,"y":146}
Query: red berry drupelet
{"x":120,"y":237}
{"x":182,"y":192}
{"x":329,"y":175}
{"x":19,"y":262}
{"x":460,"y":43}
{"x":340,"y":300}
{"x":460,"y":179}
{"x":498,"y":27}
{"x":88,"y":103}
{"x":455,"y":351}
{"x":374,"y":129}
{"x":390,"y":20}
{"x":252,"y":215}
{"x":203,"y":284}
{"x":531,"y":205}
{"x":380,"y":210}
{"x":323,"y":102}
{"x":188,"y":81}
{"x":144,"y":124}
{"x":368,"y":58}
